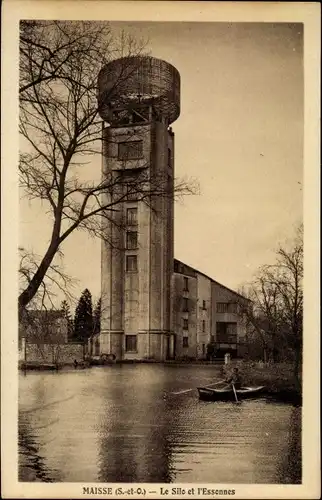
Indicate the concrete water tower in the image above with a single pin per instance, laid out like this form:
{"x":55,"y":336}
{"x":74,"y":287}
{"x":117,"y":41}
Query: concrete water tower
{"x":139,"y":97}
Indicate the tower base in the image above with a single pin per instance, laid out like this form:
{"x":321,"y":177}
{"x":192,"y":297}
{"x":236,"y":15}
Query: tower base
{"x":153,"y":345}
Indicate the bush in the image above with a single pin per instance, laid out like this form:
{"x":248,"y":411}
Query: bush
{"x":276,"y":377}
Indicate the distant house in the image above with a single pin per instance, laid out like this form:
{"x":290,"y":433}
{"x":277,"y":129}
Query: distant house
{"x":43,"y":327}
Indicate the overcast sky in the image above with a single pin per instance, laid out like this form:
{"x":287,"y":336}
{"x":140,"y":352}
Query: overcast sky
{"x":240,"y":133}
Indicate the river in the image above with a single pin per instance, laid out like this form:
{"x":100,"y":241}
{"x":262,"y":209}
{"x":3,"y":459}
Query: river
{"x":144,"y":423}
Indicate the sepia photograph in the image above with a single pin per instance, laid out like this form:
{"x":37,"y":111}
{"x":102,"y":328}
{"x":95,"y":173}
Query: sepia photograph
{"x":161,"y":221}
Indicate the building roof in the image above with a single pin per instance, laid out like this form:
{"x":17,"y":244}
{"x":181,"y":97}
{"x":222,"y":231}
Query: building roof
{"x":211,"y":279}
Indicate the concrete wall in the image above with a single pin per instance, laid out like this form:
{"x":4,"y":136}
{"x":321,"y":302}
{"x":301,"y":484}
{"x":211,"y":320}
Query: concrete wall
{"x":51,"y":353}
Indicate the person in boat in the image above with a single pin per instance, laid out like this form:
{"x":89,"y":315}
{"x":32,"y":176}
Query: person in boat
{"x":235,"y":379}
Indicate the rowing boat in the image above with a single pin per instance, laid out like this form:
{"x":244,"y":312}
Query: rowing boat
{"x":227,"y":394}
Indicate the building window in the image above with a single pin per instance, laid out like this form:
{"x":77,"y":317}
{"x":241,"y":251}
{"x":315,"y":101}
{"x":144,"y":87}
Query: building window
{"x":232,"y":307}
{"x":131,"y":240}
{"x":185,"y":305}
{"x":226,"y":307}
{"x":204,"y":305}
{"x":130,"y":343}
{"x":203,"y":325}
{"x":130,"y":150}
{"x":185,"y":342}
{"x":132,"y":216}
{"x":185,"y":324}
{"x":186,"y":284}
{"x":222,"y":307}
{"x":169,"y":157}
{"x":131,"y":191}
{"x":131,"y":263}
{"x":226,"y":332}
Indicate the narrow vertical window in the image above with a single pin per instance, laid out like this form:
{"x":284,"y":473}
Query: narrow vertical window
{"x":130,"y":343}
{"x":131,"y":240}
{"x":185,"y":284}
{"x":132,"y":216}
{"x":203,"y":325}
{"x":169,"y":158}
{"x":131,"y":263}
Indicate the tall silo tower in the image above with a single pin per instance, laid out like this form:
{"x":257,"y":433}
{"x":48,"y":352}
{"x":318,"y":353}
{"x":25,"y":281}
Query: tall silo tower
{"x":139,"y":97}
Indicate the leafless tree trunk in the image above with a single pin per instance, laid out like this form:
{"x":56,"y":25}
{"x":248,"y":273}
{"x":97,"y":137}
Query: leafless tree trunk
{"x":55,"y":281}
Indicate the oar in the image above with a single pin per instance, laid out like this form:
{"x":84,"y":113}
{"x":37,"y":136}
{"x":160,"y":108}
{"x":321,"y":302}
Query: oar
{"x":235,"y":393}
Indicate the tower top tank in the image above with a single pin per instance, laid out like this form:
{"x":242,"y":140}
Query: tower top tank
{"x":140,"y":79}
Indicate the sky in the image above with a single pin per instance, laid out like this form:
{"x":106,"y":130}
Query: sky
{"x":239,"y":134}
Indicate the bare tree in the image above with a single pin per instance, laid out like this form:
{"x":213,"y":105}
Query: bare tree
{"x":55,"y":281}
{"x":285,"y":277}
{"x":275,"y":312}
{"x":47,"y":330}
{"x":60,"y":129}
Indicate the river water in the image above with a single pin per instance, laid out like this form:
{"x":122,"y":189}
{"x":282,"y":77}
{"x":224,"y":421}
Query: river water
{"x":144,"y":423}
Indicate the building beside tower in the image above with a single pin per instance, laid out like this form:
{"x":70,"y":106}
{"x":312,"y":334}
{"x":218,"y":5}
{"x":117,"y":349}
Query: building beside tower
{"x":153,"y":306}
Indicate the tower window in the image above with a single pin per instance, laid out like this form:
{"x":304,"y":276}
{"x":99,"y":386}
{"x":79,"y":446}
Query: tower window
{"x":131,"y":240}
{"x":132,"y":216}
{"x":132,"y":191}
{"x":185,"y":341}
{"x":130,"y":150}
{"x":131,"y":263}
{"x":203,"y":326}
{"x":130,"y":343}
{"x":185,"y":284}
{"x":185,"y":324}
{"x":185,"y":305}
{"x":204,"y":304}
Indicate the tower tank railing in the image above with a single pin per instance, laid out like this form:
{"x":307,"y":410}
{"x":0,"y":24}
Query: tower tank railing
{"x":128,"y":81}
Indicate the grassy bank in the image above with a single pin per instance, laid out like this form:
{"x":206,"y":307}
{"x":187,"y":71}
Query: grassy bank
{"x":278,"y":378}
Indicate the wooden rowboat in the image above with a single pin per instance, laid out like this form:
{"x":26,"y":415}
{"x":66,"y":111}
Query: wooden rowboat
{"x":227,"y":394}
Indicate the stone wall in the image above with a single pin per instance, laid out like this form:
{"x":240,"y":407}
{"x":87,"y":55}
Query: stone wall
{"x":52,"y":353}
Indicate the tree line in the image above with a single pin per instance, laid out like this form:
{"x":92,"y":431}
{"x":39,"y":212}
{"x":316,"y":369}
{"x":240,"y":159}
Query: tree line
{"x":86,"y":320}
{"x":271,"y":308}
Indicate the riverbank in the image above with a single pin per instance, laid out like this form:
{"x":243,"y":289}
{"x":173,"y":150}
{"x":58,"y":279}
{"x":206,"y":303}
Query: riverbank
{"x":35,"y":365}
{"x":278,"y":379}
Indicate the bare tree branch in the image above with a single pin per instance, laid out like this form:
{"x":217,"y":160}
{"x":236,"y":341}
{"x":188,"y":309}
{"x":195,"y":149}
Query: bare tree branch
{"x":60,"y":127}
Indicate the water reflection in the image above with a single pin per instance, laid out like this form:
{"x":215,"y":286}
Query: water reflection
{"x":133,"y":440}
{"x":129,"y":424}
